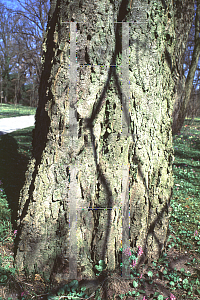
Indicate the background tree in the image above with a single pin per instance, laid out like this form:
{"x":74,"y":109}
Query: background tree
{"x":86,"y":158}
{"x":185,"y":11}
{"x":193,"y":107}
{"x":6,"y":49}
{"x":27,"y":33}
{"x":30,"y":29}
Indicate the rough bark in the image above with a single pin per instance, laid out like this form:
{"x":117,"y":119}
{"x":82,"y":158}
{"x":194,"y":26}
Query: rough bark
{"x":104,"y":157}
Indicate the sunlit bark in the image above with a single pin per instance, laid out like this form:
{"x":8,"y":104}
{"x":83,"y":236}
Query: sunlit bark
{"x":103,"y":165}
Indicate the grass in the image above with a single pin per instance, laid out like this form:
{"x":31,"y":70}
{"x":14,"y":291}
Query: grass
{"x":179,"y":267}
{"x":10,"y":110}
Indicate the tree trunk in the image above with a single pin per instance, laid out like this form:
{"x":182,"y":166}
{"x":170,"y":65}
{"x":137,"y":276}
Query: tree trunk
{"x":86,"y":153}
{"x":184,"y":14}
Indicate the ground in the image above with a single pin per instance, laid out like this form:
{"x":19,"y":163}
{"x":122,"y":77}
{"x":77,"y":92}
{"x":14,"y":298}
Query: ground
{"x":113,"y":285}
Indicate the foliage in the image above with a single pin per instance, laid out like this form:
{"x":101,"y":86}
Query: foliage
{"x":5,"y":212}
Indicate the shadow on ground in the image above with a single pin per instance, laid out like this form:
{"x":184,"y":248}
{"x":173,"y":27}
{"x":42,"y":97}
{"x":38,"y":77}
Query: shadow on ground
{"x":13,"y":166}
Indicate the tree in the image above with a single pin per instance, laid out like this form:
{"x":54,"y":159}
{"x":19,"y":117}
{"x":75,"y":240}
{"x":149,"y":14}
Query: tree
{"x":193,"y":108}
{"x":184,"y":87}
{"x":6,"y":49}
{"x":194,"y":104}
{"x":93,"y":147}
{"x":22,"y":33}
{"x":31,"y":20}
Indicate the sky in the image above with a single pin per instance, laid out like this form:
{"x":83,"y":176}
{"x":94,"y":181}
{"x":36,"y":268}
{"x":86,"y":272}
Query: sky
{"x":10,"y":3}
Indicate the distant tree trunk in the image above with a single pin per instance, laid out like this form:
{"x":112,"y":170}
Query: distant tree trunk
{"x":96,"y":163}
{"x":193,"y":108}
{"x":184,"y":16}
{"x":15,"y":99}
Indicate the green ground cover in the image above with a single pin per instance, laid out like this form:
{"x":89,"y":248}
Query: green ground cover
{"x":10,"y":110}
{"x":15,"y":152}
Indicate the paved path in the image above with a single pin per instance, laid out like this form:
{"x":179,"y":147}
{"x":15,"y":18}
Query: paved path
{"x":8,"y":125}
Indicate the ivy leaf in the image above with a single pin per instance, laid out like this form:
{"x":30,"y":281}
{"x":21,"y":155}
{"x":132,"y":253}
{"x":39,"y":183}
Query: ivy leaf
{"x":150,"y":273}
{"x":135,"y":284}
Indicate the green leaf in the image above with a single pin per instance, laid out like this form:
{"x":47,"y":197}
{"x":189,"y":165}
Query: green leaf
{"x":101,"y":266}
{"x":182,"y":270}
{"x":150,"y":273}
{"x":74,"y":284}
{"x":135,"y":284}
{"x":133,"y":292}
{"x":81,"y":294}
{"x":102,"y":263}
{"x":61,"y":292}
{"x":3,"y":278}
{"x":66,"y":286}
{"x":198,"y":291}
